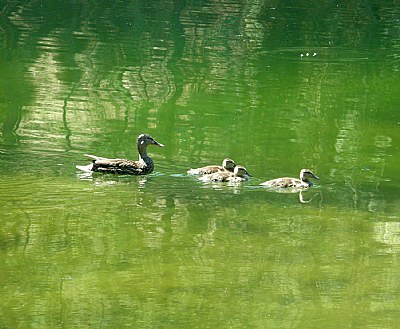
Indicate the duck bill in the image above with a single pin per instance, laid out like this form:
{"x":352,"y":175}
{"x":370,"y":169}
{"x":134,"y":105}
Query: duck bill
{"x":158,"y":144}
{"x":316,"y":177}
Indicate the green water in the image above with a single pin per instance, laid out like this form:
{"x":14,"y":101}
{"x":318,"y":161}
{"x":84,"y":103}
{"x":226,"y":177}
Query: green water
{"x":275,"y":85}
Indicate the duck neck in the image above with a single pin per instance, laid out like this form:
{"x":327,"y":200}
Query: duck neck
{"x":143,"y":156}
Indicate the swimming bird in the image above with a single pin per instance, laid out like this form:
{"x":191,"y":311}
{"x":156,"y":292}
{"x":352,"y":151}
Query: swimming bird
{"x":143,"y":166}
{"x":287,"y":182}
{"x":239,"y":174}
{"x":227,"y":164}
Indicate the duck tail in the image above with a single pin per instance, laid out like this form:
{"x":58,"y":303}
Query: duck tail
{"x":94,"y":157}
{"x":88,"y":168}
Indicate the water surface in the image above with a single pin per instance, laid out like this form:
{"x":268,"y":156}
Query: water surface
{"x":275,"y":86}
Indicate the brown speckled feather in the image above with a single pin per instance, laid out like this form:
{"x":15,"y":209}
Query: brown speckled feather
{"x":288,"y":182}
{"x":240,"y":174}
{"x":227,"y":165}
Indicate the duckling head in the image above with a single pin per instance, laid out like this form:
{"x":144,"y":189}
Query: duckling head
{"x":228,"y":164}
{"x":306,"y":174}
{"x":241,"y":171}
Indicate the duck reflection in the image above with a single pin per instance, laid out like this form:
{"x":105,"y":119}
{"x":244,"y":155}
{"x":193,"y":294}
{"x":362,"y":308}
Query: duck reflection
{"x":107,"y":180}
{"x":305,"y":196}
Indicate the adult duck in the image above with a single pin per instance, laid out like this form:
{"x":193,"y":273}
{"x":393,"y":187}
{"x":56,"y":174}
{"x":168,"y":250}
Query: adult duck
{"x":288,"y":182}
{"x":143,"y":166}
{"x":240,"y":174}
{"x":227,"y":165}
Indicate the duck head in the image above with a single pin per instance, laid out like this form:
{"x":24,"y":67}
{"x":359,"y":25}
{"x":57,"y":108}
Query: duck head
{"x":146,"y":139}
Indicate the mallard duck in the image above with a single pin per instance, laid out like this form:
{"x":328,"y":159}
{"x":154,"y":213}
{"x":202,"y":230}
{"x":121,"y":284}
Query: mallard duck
{"x":288,"y":182}
{"x":239,"y":174}
{"x":227,"y":164}
{"x":143,"y":166}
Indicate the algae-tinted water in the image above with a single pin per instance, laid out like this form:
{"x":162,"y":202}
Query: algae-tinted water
{"x":276,"y":87}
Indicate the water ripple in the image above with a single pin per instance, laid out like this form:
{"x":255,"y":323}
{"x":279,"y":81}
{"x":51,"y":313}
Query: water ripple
{"x":324,"y":54}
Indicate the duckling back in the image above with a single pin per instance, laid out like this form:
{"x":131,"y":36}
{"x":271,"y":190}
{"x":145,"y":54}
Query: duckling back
{"x":239,"y":174}
{"x":227,"y":165}
{"x":288,"y":182}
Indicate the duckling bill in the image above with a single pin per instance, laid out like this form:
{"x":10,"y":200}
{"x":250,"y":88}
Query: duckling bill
{"x":143,"y":166}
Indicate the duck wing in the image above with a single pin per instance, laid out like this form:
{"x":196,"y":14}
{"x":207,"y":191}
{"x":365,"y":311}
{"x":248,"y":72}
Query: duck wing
{"x":119,"y":166}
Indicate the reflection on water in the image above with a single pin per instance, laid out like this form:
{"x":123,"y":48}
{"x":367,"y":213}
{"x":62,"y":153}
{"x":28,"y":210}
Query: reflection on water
{"x":213,"y":80}
{"x":304,"y":196}
{"x":388,"y":233}
{"x":325,"y":54}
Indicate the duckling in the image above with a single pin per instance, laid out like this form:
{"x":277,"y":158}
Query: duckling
{"x":143,"y":166}
{"x":227,"y":165}
{"x":287,"y":182}
{"x":239,"y":174}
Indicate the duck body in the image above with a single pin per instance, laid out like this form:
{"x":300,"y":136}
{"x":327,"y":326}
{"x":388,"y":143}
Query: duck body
{"x":119,"y":166}
{"x":143,"y":166}
{"x":239,"y":174}
{"x":227,"y":165}
{"x":293,"y":183}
